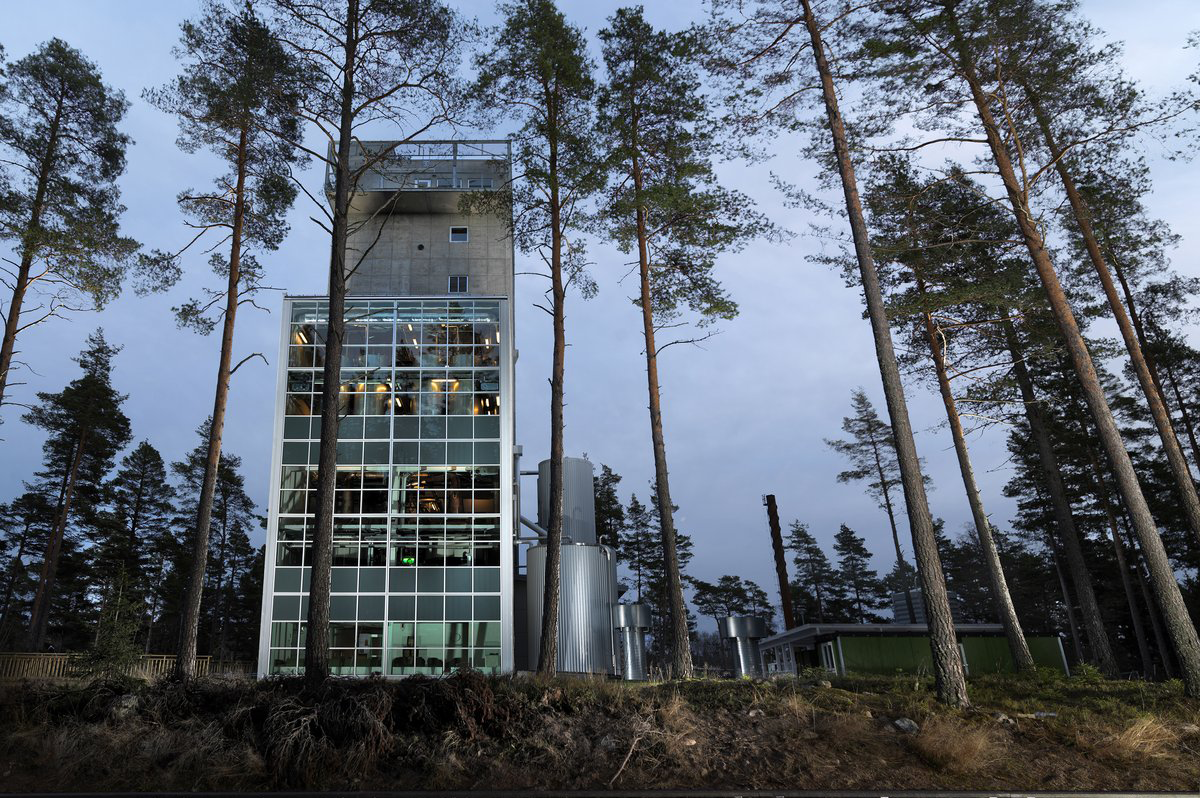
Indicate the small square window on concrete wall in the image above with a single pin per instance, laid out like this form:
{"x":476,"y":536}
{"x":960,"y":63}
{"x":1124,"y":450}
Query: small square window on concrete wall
{"x":458,"y":284}
{"x":459,"y":235}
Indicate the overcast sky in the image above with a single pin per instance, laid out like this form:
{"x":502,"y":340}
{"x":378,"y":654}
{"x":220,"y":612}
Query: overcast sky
{"x":744,"y":416}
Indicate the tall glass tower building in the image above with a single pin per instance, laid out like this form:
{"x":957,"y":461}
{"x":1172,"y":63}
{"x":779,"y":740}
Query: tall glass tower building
{"x":424,"y":521}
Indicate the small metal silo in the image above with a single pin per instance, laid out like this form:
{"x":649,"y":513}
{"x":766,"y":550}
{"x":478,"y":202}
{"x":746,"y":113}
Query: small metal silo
{"x":632,"y":621}
{"x":745,"y":632}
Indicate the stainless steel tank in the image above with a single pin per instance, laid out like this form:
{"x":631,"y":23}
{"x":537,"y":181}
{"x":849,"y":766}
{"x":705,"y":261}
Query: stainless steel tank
{"x":745,"y":632}
{"x":631,"y":622}
{"x":579,"y":499}
{"x":587,"y":596}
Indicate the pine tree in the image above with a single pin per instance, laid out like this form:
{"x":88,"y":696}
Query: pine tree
{"x":237,"y":97}
{"x":230,"y":553}
{"x":25,"y":525}
{"x":949,"y":56}
{"x":666,"y":204}
{"x":139,"y":513}
{"x":363,"y":61}
{"x":814,"y":574}
{"x":762,"y":46}
{"x":610,"y":513}
{"x":865,"y":593}
{"x":636,"y":546}
{"x":872,"y":454}
{"x":949,"y":273}
{"x":725,"y":598}
{"x":59,"y":200}
{"x":539,"y":75}
{"x":758,"y":604}
{"x":86,"y":429}
{"x":115,"y":651}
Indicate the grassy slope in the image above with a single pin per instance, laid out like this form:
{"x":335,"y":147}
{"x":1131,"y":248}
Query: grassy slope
{"x":523,"y":733}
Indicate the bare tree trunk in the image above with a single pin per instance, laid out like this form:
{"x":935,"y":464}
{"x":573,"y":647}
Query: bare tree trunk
{"x":1135,"y":615}
{"x":39,"y":614}
{"x":185,"y":655}
{"x":316,"y":651}
{"x":12,"y":321}
{"x":1156,"y":625}
{"x":1183,"y":411}
{"x":681,"y":651}
{"x":547,"y":663}
{"x":1068,"y":535}
{"x":885,"y":489}
{"x":1162,"y":578}
{"x":947,"y":663}
{"x":1100,"y":489}
{"x":10,"y":585}
{"x":1154,"y":399}
{"x":1068,"y":605}
{"x":1018,"y":646}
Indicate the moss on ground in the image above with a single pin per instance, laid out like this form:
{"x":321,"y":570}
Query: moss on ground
{"x":522,"y":732}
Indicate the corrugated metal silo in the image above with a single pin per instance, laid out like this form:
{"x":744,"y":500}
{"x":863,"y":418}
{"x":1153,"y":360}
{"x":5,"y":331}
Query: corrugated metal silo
{"x":587,"y":595}
{"x":579,"y":499}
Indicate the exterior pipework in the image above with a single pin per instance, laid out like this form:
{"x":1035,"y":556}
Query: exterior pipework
{"x":745,"y":632}
{"x":631,"y":622}
{"x":587,"y":596}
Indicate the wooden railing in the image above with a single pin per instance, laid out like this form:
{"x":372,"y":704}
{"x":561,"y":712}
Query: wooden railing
{"x":69,"y":667}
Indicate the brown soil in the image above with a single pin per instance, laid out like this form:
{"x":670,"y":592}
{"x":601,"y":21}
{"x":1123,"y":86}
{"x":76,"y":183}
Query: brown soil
{"x":517,"y":733}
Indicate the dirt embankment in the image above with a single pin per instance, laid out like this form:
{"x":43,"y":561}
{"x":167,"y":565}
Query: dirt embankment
{"x":473,"y":731}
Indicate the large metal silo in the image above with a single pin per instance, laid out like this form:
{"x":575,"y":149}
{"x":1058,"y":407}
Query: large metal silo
{"x":579,"y":499}
{"x":587,"y":596}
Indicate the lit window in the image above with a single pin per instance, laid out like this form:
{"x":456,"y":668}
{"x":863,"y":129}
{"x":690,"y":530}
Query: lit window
{"x":458,"y":283}
{"x":459,"y":235}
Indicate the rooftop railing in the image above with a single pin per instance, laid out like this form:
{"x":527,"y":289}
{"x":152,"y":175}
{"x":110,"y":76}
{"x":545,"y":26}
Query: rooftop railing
{"x":429,"y":165}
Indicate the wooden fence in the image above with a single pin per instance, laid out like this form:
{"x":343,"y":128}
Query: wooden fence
{"x":69,"y":667}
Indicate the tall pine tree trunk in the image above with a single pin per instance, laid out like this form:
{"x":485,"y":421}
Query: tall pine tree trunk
{"x":1068,"y":605}
{"x":39,"y":614}
{"x":316,"y":651}
{"x":1183,"y":412}
{"x":681,"y":652}
{"x":1005,"y":610}
{"x":1110,"y":515}
{"x":901,"y":565}
{"x":947,"y":663}
{"x":185,"y":655}
{"x":1150,"y":389}
{"x":1068,"y":534}
{"x":547,"y":663}
{"x":1162,"y":577}
{"x":12,"y":321}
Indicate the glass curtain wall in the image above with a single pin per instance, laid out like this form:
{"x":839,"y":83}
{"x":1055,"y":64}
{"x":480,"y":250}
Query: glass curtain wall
{"x":417,"y":518}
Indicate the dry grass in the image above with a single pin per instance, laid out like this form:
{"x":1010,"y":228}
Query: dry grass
{"x":955,"y":746}
{"x":533,"y":734}
{"x":1143,"y":740}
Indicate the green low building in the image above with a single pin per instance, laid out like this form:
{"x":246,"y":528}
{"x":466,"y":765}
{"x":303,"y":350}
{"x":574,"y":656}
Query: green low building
{"x":889,"y":648}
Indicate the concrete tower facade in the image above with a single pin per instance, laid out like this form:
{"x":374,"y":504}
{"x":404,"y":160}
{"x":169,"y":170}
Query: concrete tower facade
{"x":424,"y":521}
